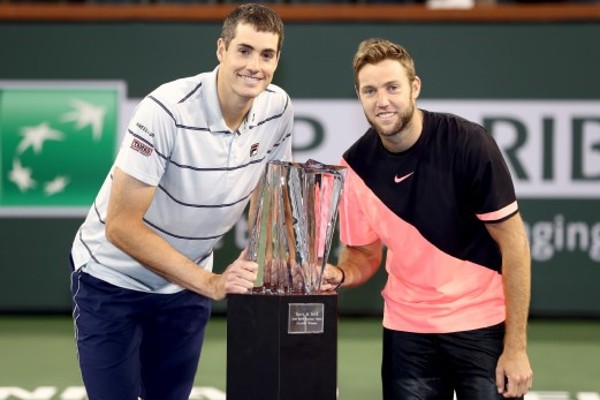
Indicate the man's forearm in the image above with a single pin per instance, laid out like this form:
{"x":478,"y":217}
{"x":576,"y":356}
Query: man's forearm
{"x":517,"y":291}
{"x":516,"y":272}
{"x":359,"y":263}
{"x":156,"y":254}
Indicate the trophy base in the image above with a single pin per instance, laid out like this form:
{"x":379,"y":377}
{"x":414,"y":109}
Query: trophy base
{"x":282,"y":347}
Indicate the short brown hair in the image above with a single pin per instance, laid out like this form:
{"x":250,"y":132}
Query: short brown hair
{"x":373,"y":51}
{"x":261,"y":17}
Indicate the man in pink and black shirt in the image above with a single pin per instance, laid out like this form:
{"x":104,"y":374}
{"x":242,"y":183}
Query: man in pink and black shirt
{"x":434,"y":190}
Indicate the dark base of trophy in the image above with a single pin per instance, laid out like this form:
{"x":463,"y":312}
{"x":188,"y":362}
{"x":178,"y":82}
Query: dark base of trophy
{"x":281,"y":347}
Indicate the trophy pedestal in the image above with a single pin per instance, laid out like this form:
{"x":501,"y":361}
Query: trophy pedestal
{"x":282,"y":347}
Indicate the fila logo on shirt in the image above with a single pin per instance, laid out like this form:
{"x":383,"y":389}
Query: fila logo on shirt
{"x":254,"y":150}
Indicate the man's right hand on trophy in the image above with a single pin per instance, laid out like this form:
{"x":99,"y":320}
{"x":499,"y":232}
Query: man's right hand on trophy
{"x":238,"y":277}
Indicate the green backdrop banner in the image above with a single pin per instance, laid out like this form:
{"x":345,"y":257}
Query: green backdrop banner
{"x":534,"y":86}
{"x":57,"y":142}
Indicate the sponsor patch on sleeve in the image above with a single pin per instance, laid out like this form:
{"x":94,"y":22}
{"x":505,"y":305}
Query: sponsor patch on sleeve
{"x":141,"y":147}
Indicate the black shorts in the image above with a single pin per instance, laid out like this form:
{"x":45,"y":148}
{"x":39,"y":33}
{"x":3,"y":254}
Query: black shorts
{"x":424,"y":366}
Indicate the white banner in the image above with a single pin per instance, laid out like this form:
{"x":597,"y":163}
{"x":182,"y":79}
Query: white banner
{"x":551,"y":147}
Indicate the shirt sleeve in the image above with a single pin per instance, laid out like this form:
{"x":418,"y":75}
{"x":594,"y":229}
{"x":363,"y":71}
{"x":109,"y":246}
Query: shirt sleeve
{"x":490,"y":184}
{"x":146,"y":145}
{"x":355,"y":229}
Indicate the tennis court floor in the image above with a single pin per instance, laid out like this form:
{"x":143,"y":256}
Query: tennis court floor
{"x":38,"y":360}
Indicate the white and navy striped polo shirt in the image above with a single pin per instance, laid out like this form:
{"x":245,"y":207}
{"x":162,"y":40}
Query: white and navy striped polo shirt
{"x":178,"y":141}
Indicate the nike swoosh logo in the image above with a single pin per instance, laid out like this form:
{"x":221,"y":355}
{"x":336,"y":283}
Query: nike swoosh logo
{"x":398,"y":180}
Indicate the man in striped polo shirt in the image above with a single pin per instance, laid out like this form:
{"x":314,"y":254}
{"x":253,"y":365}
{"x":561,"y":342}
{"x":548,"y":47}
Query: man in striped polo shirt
{"x":434,"y":189}
{"x":192,"y":155}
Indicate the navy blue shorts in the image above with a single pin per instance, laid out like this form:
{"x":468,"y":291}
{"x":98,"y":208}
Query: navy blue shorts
{"x":420,"y":366}
{"x":132,"y":344}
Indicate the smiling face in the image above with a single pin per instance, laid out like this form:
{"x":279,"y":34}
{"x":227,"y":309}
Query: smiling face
{"x":247,"y":64}
{"x":388,"y":98}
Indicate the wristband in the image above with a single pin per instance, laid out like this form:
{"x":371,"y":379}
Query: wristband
{"x":339,"y":285}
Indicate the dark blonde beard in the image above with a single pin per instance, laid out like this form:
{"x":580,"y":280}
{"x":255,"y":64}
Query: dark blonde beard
{"x":405,"y":119}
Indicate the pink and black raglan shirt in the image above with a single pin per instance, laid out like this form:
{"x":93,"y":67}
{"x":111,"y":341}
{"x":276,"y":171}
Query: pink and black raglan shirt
{"x":429,"y":206}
